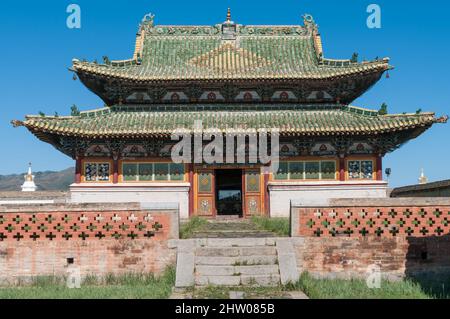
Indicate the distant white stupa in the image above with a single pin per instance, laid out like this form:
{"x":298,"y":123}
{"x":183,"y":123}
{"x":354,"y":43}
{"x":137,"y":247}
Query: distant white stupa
{"x":423,"y":179}
{"x":29,"y":185}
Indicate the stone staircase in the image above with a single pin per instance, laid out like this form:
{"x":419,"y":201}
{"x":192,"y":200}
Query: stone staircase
{"x":235,"y":262}
{"x":232,"y":228}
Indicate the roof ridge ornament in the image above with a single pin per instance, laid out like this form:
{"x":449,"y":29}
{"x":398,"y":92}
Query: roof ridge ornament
{"x":228,"y":28}
{"x":148,"y":19}
{"x":229,"y":15}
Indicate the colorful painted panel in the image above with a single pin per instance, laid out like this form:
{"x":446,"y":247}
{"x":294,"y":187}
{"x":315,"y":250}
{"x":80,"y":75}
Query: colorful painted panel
{"x":97,"y":172}
{"x":176,"y":172}
{"x":129,"y":172}
{"x":296,"y":170}
{"x":312,"y":170}
{"x":90,"y":172}
{"x":328,"y":170}
{"x":252,"y":205}
{"x":360,"y":169}
{"x":205,"y":206}
{"x":252,"y":182}
{"x":205,"y":182}
{"x":282,"y":172}
{"x":161,"y":171}
{"x":145,"y":172}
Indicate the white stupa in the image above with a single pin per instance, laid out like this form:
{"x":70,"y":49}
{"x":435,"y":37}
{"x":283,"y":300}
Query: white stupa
{"x":423,"y":179}
{"x":29,"y":185}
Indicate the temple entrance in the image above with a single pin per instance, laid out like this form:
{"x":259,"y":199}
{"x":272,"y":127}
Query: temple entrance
{"x":229,"y":192}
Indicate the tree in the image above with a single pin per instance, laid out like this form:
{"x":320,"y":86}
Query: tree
{"x":74,"y":111}
{"x":383,"y":109}
{"x":354,"y":58}
{"x":41,"y":113}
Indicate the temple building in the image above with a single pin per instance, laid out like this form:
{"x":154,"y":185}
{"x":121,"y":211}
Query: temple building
{"x":229,"y":76}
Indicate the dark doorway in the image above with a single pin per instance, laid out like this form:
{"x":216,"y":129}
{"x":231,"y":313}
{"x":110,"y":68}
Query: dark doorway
{"x":229,"y":192}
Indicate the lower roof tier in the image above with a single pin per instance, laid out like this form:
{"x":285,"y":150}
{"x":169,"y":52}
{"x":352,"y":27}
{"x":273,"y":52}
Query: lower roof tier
{"x":137,"y":122}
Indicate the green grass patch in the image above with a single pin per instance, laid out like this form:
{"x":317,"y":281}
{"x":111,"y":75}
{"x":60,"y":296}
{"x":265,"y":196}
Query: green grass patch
{"x":128,"y":286}
{"x":280,"y":226}
{"x":358,"y":289}
{"x":188,"y":228}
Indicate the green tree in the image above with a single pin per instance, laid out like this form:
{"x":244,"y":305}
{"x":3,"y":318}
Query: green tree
{"x":354,"y":58}
{"x":74,"y":111}
{"x":383,"y":109}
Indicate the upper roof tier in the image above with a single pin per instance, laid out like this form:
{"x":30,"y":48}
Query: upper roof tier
{"x":228,"y":52}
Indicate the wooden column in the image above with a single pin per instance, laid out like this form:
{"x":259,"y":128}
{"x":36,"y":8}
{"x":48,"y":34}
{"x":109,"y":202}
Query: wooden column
{"x":191,"y":189}
{"x":266,"y":193}
{"x":342,"y":168}
{"x":379,"y":165}
{"x":115,"y":170}
{"x":78,"y":168}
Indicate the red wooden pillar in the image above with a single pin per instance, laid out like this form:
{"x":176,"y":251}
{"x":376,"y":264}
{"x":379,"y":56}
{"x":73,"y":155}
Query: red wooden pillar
{"x":342,"y":168}
{"x":191,"y":189}
{"x":266,"y":193}
{"x":115,"y":170}
{"x":78,"y":169}
{"x":379,"y":165}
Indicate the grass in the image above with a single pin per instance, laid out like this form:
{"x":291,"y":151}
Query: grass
{"x":188,"y":228}
{"x":128,"y":286}
{"x":280,"y":226}
{"x":323,"y":289}
{"x":357,"y":289}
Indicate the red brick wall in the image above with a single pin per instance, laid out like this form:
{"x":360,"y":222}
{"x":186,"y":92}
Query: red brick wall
{"x":345,"y":240}
{"x":99,"y":241}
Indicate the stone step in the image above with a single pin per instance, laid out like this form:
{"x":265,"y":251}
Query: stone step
{"x":236,"y":251}
{"x":232,"y":234}
{"x":217,"y":280}
{"x":247,"y":280}
{"x":236,"y":270}
{"x":260,"y":280}
{"x":236,"y":261}
{"x":236,"y":242}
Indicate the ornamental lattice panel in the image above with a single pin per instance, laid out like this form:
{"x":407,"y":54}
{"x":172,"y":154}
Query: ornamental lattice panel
{"x":83,"y":226}
{"x":381,"y":222}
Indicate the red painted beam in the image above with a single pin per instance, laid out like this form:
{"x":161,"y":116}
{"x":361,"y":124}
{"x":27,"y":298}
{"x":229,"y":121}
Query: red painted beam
{"x":115,"y":171}
{"x":78,"y":170}
{"x":342,"y":169}
{"x":379,"y":168}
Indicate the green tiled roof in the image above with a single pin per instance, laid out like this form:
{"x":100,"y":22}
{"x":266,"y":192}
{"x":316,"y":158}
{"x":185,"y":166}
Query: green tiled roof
{"x":201,"y":53}
{"x":137,"y":122}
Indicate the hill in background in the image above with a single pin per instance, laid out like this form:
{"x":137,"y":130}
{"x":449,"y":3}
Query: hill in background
{"x":45,"y":181}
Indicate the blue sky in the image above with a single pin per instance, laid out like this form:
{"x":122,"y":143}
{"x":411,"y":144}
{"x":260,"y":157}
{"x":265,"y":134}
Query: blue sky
{"x":37,"y":49}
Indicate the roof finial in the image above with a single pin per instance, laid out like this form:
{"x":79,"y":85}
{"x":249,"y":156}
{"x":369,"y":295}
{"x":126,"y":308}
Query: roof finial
{"x":229,"y":15}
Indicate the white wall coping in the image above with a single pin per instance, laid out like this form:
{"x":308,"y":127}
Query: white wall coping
{"x":129,"y":185}
{"x":328,"y":183}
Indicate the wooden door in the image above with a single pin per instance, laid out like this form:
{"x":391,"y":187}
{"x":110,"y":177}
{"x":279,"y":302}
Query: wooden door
{"x":253,"y":195}
{"x":204,"y":193}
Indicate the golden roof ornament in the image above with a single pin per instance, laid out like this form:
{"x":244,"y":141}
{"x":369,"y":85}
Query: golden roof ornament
{"x":229,"y":15}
